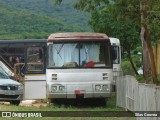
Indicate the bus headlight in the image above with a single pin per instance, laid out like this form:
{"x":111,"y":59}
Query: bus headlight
{"x":105,"y":88}
{"x":98,"y":87}
{"x":105,"y":78}
{"x":61,"y":88}
{"x":54,"y":88}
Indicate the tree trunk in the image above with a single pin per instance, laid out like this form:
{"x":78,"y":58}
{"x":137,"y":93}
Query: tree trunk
{"x":145,"y":56}
{"x":131,"y":61}
{"x":145,"y":6}
{"x":151,"y":55}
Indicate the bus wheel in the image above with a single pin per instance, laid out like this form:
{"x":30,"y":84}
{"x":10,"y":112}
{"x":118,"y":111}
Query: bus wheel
{"x":104,"y":101}
{"x":15,"y":102}
{"x":55,"y":101}
{"x":101,"y":101}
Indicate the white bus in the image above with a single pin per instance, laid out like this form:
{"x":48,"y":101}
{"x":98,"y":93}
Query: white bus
{"x":79,"y":66}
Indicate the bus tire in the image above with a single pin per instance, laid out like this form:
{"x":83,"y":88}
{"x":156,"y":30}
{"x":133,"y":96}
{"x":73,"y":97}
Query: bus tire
{"x":101,"y":101}
{"x":56,"y":101}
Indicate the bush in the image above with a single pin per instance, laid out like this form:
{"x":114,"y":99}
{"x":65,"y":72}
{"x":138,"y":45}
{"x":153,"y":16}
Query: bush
{"x":140,"y":78}
{"x":127,"y":68}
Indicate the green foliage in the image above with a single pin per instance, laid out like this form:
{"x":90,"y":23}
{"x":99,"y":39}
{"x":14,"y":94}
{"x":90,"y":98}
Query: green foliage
{"x":65,"y":13}
{"x":149,"y":80}
{"x":153,"y":19}
{"x":139,"y":49}
{"x":137,"y":57}
{"x":137,"y":60}
{"x":127,"y":68}
{"x":126,"y":65}
{"x":115,"y":18}
{"x":20,"y":24}
{"x":140,"y":78}
{"x":91,"y":5}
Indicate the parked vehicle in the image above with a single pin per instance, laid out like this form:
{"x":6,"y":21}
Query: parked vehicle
{"x":79,"y":66}
{"x":10,"y":90}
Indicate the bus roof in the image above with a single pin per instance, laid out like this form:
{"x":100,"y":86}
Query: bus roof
{"x":23,"y":41}
{"x":77,"y":36}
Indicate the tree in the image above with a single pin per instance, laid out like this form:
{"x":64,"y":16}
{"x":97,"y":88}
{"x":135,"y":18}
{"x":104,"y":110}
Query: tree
{"x":127,"y":32}
{"x":123,"y":13}
{"x":149,"y":19}
{"x":109,"y":18}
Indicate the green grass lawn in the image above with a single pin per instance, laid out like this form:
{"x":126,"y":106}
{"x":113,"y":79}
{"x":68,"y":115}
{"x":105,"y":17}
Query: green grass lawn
{"x":111,"y":106}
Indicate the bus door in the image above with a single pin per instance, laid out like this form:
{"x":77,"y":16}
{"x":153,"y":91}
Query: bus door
{"x":35,"y":78}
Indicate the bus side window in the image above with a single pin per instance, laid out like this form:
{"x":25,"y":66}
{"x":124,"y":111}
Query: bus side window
{"x":35,"y":59}
{"x":40,"y":53}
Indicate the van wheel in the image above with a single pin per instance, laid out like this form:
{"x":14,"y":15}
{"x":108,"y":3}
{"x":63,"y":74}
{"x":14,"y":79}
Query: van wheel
{"x":15,"y":102}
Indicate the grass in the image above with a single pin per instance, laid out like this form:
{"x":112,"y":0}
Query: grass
{"x":111,"y":106}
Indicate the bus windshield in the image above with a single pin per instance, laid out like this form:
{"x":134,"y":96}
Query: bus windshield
{"x":79,"y":55}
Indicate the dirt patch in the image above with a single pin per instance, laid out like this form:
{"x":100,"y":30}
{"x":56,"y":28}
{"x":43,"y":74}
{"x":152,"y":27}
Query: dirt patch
{"x":33,"y":103}
{"x":7,"y":103}
{"x":29,"y":103}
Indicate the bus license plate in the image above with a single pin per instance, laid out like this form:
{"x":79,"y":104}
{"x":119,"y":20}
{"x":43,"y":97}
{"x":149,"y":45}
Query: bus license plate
{"x":79,"y":91}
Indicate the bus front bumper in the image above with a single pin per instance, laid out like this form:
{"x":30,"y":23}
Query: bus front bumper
{"x":83,"y":95}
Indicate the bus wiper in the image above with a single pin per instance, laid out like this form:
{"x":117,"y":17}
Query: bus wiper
{"x":58,"y":51}
{"x":86,"y":51}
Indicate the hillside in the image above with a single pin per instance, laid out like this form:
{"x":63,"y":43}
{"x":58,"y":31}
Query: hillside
{"x":15,"y":23}
{"x":65,"y":12}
